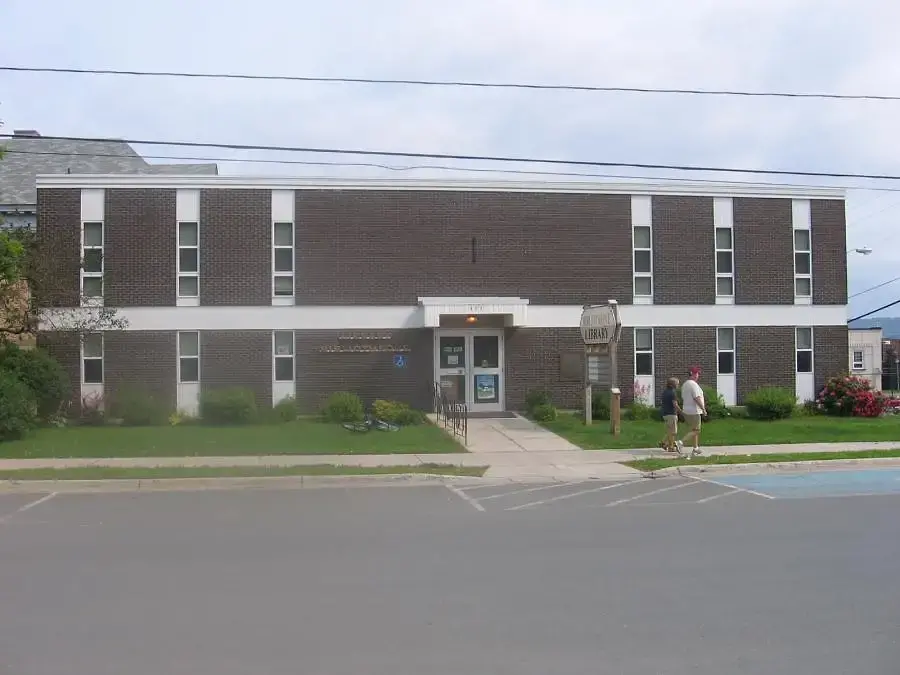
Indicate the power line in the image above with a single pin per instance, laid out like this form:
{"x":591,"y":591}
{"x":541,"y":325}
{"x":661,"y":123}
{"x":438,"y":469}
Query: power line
{"x":872,"y":288}
{"x":863,"y":316}
{"x":457,"y":83}
{"x":473,"y":158}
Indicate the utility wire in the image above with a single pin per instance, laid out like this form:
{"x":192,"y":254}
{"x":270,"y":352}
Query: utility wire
{"x":457,"y":83}
{"x":863,"y":316}
{"x":474,"y":158}
{"x":872,"y":288}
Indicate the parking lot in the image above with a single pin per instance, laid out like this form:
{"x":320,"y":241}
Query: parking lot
{"x":669,"y":575}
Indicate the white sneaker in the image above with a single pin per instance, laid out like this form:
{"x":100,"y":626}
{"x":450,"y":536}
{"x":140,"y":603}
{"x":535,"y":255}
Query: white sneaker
{"x":679,"y":446}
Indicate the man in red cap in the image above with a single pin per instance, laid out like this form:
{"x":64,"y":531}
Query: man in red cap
{"x":694,"y":408}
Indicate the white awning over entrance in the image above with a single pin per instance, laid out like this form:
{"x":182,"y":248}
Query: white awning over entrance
{"x":514,"y":309}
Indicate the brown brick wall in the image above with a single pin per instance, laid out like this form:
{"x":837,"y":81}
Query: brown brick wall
{"x":676,"y":350}
{"x":140,"y":248}
{"x":533,"y":362}
{"x":763,"y":251}
{"x":684,"y":263}
{"x":237,"y":359}
{"x":66,"y":349}
{"x":831,"y":351}
{"x":829,"y":252}
{"x":142,"y":361}
{"x":58,"y":266}
{"x":235,"y":247}
{"x":391,"y":247}
{"x":371,"y":375}
{"x":765,"y":357}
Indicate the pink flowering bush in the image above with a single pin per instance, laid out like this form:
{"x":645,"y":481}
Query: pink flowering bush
{"x":848,"y":395}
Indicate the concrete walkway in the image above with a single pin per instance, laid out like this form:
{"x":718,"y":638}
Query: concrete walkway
{"x":513,"y":435}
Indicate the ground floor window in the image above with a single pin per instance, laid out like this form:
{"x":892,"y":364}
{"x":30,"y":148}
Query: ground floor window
{"x":92,"y":358}
{"x":804,"y":344}
{"x":283,"y":355}
{"x":643,"y":351}
{"x":189,"y":357}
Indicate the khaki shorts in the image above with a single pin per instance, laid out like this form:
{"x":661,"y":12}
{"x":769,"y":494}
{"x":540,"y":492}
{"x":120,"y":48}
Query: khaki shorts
{"x":693,"y":422}
{"x":671,"y":423}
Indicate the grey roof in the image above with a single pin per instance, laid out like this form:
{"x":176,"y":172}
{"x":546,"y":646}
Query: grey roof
{"x":28,"y":156}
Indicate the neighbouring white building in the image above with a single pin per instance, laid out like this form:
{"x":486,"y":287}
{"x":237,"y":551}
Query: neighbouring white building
{"x":865,"y":354}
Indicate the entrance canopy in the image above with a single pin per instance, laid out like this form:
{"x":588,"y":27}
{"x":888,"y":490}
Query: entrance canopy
{"x":514,"y":310}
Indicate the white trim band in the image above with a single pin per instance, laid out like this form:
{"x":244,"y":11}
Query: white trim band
{"x":366,"y":317}
{"x":294,"y":183}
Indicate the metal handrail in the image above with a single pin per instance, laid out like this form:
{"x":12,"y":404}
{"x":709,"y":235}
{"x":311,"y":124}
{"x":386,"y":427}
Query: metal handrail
{"x":453,"y":415}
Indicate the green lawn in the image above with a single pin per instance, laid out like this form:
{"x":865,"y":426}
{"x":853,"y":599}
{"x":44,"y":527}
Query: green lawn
{"x":303,"y":437}
{"x":808,"y":429}
{"x":158,"y":473}
{"x":656,"y":463}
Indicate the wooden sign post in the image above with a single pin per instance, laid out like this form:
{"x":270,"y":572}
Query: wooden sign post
{"x":600,"y":331}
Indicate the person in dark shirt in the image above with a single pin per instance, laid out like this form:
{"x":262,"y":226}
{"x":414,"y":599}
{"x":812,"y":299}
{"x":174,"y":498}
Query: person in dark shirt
{"x":670,"y":410}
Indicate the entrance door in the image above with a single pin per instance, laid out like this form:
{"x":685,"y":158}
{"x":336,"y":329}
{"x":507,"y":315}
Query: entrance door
{"x":469,"y":367}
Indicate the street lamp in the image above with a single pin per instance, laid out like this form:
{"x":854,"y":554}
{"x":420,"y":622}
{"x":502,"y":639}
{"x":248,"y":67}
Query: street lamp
{"x":862,"y":250}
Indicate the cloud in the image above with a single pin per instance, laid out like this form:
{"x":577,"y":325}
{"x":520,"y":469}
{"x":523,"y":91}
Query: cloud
{"x":801,"y":45}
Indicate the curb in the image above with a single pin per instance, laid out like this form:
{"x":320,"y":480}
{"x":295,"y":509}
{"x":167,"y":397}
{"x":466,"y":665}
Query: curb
{"x":778,"y":467}
{"x":236,"y":483}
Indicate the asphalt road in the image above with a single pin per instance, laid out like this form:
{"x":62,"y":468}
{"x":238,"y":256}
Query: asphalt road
{"x":664,"y":577}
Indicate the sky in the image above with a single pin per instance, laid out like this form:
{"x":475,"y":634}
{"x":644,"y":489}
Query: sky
{"x":759,"y":45}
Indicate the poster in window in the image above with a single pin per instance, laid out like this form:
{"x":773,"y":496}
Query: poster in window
{"x":486,"y":389}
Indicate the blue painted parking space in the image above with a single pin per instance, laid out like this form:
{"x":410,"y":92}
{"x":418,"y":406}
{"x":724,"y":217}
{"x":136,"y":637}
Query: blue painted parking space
{"x":818,"y":483}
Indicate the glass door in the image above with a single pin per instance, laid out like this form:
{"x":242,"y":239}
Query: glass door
{"x":469,"y":367}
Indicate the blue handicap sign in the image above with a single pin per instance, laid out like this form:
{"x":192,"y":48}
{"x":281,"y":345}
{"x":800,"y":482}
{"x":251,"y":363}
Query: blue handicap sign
{"x":399,"y":361}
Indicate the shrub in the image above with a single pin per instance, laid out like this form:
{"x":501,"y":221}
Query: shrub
{"x":284,"y":411}
{"x":396,"y":412}
{"x":640,"y":411}
{"x":536,"y":398}
{"x":232,"y":405}
{"x":138,"y":408}
{"x":18,"y":408}
{"x":41,"y":373}
{"x":771,"y":403}
{"x":600,"y":405}
{"x":738,"y":412}
{"x":544,"y":412}
{"x":850,"y":395}
{"x":715,"y":403}
{"x":343,"y":406}
{"x":93,"y":410}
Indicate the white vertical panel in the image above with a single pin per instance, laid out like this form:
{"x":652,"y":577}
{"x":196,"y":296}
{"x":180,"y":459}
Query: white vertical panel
{"x":806,"y":387}
{"x":641,"y":211}
{"x":187,"y":205}
{"x":723,"y":212}
{"x":283,"y":390}
{"x":801,"y":214}
{"x":188,"y":394}
{"x":726,"y":385}
{"x":649,"y":382}
{"x":283,"y":206}
{"x":92,"y":204}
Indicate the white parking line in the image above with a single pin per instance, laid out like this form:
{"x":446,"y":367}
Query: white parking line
{"x":29,"y":505}
{"x":462,"y":495}
{"x":733,"y":487}
{"x":733,"y":491}
{"x":531,"y":489}
{"x":575,"y":494}
{"x":647,"y":494}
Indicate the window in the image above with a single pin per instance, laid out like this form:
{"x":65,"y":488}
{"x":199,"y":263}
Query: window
{"x":725,"y":348}
{"x":188,"y":260}
{"x":189,"y":357}
{"x":92,"y":358}
{"x":92,"y":261}
{"x":283,"y":259}
{"x":859,"y":362}
{"x":724,"y":262}
{"x":643,"y":261}
{"x":802,"y":264}
{"x":283,"y":355}
{"x":804,"y":350}
{"x":643,"y":351}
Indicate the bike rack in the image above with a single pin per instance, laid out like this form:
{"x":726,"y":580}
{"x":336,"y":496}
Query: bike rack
{"x":451,"y":414}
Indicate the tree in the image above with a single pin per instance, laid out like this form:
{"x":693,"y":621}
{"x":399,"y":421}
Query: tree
{"x":26,"y":284}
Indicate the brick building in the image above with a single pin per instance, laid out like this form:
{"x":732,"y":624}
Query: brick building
{"x":297,"y":287}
